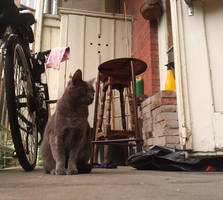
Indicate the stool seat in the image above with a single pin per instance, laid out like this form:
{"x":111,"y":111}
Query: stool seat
{"x":120,"y":68}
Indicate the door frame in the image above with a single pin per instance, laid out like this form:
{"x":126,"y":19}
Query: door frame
{"x":183,"y":109}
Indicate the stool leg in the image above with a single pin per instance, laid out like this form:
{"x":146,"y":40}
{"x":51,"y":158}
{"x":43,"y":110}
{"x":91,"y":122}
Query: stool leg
{"x":122,"y":101}
{"x":108,"y":122}
{"x":138,"y":136}
{"x":102,"y":107}
{"x":94,"y":147}
{"x":95,"y":154}
{"x":106,"y":159}
{"x":132,"y":122}
{"x":108,"y":106}
{"x":130,"y":99}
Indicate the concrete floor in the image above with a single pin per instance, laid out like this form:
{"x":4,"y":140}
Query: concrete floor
{"x":111,"y":184}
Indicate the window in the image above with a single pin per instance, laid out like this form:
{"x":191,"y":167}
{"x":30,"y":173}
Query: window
{"x":29,"y":3}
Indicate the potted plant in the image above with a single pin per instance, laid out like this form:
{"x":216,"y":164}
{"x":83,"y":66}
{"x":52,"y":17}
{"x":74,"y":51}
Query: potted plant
{"x":151,"y":9}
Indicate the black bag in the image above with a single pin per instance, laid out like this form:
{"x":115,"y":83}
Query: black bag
{"x":163,"y":158}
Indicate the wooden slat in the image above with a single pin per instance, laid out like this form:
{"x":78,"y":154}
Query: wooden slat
{"x":116,"y":141}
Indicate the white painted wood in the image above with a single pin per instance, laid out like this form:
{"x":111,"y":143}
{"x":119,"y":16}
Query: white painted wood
{"x":96,"y":42}
{"x":94,"y":14}
{"x":198,"y":59}
{"x":63,"y":43}
{"x":181,"y":83}
{"x":214,"y":32}
{"x":92,"y":55}
{"x":93,"y":38}
{"x":163,"y":46}
{"x":213,"y":15}
{"x":75,"y":40}
{"x":199,"y":89}
{"x":39,"y":26}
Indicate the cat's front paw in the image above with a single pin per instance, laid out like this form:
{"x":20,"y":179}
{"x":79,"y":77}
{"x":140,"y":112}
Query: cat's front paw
{"x":58,"y":172}
{"x":71,"y":172}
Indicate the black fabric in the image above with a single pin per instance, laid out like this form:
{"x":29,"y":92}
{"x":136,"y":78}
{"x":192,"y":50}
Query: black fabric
{"x":9,"y":15}
{"x":7,"y":10}
{"x":6,"y":4}
{"x":12,"y":16}
{"x":168,"y":159}
{"x":38,"y":61}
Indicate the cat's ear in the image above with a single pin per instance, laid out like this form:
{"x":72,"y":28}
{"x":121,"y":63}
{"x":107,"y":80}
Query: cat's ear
{"x":77,"y":77}
{"x":91,"y":81}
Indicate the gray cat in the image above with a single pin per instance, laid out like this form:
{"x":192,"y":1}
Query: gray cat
{"x":66,"y":142}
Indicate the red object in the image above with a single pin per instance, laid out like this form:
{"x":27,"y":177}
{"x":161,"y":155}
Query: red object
{"x":210,"y":169}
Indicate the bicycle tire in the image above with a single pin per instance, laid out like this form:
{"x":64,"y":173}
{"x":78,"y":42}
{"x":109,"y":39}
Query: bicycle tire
{"x":20,"y":102}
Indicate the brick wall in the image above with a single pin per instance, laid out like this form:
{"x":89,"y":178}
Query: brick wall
{"x":159,"y":120}
{"x":144,"y":45}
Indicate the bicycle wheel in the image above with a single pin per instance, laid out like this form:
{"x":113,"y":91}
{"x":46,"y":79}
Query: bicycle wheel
{"x":21,"y":105}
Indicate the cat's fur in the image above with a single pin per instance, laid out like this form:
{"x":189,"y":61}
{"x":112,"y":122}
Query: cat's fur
{"x":66,"y":142}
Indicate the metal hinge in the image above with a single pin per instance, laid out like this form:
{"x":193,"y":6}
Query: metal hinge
{"x":190,"y":7}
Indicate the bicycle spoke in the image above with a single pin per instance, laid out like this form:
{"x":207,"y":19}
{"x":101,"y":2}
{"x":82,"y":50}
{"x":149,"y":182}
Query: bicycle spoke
{"x":21,"y":105}
{"x":20,"y":96}
{"x":23,"y":129}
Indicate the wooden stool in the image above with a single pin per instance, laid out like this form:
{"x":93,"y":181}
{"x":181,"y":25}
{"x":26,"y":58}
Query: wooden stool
{"x":119,"y":74}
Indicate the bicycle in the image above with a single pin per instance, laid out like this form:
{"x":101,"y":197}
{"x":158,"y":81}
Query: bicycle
{"x":27,"y":95}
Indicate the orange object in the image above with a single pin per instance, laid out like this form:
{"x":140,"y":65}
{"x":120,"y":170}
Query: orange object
{"x":170,"y":81}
